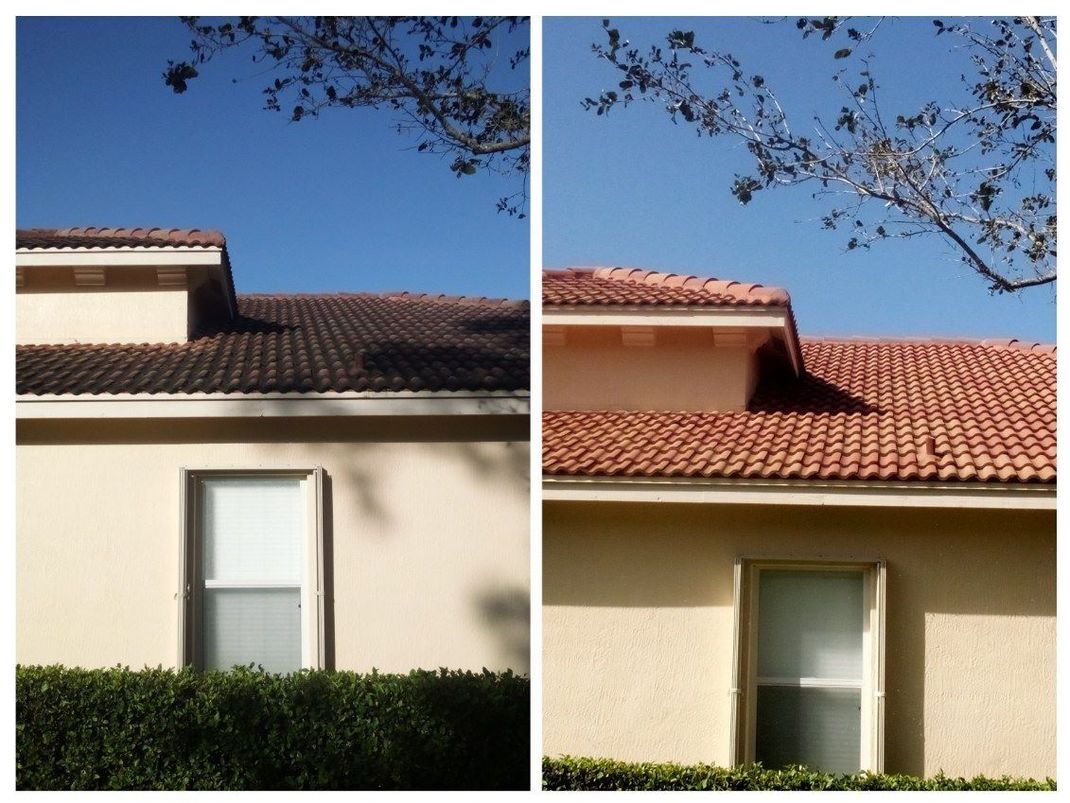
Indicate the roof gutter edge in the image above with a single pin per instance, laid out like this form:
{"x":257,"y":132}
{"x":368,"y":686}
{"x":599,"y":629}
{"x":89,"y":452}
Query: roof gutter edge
{"x":278,"y":405}
{"x":840,"y":493}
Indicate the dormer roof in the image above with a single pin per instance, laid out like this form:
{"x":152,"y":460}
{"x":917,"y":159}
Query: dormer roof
{"x":92,"y":245}
{"x":614,"y":296}
{"x":636,"y":287}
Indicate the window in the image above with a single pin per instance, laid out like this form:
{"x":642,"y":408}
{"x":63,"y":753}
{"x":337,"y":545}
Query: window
{"x":809,"y":664}
{"x":251,"y":570}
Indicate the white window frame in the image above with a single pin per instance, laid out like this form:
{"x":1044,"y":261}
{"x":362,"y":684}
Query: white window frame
{"x":191,"y":585}
{"x":745,"y":644}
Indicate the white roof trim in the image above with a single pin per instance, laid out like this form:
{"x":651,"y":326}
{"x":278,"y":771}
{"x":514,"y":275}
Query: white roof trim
{"x":857,"y":493}
{"x":269,"y":405}
{"x":113,"y":257}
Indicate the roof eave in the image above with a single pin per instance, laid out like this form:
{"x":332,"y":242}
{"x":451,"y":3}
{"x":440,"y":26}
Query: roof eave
{"x":133,"y":256}
{"x":271,"y":405}
{"x":829,"y":493}
{"x":777,"y":318}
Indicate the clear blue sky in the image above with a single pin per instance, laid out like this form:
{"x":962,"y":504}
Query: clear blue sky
{"x":634,"y":190}
{"x":336,"y":203}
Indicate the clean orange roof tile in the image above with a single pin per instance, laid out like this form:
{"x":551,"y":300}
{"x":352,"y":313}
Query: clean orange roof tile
{"x":633,"y":286}
{"x":890,"y":410}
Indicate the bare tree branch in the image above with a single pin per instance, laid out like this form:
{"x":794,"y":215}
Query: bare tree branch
{"x":980,"y":174}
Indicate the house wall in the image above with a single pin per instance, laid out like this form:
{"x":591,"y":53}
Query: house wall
{"x":90,"y":315}
{"x":638,"y":628}
{"x":595,"y":371}
{"x":427,"y":520}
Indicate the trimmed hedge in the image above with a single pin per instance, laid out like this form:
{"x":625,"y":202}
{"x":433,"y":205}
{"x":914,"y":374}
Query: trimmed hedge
{"x":593,"y":774}
{"x":245,"y":729}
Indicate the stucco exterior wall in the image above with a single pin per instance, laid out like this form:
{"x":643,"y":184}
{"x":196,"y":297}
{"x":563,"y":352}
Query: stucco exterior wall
{"x":427,"y":523}
{"x":101,"y":316}
{"x":595,"y":371}
{"x":638,"y":628}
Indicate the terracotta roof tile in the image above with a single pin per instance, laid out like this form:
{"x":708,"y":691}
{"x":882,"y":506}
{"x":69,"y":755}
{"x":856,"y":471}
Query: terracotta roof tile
{"x":96,"y":237}
{"x":871,"y":410}
{"x":307,"y":343}
{"x":633,"y":286}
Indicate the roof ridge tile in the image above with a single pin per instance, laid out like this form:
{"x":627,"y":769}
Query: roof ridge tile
{"x":609,"y":285}
{"x":71,"y":236}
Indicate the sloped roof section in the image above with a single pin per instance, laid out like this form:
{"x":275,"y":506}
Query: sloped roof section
{"x":865,"y":410}
{"x":633,"y":286}
{"x":95,"y":237}
{"x":307,"y":344}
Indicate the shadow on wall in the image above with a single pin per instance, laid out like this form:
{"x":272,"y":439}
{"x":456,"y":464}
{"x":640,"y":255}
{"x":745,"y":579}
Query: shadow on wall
{"x":328,"y":573}
{"x":488,"y":455}
{"x":507,"y":613}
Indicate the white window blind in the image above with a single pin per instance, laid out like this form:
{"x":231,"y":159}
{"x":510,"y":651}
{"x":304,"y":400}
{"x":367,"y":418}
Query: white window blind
{"x":253,"y":537}
{"x":810,"y":669}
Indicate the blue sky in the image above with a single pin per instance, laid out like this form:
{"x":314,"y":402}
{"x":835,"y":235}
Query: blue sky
{"x":337,"y":203}
{"x":634,"y":190}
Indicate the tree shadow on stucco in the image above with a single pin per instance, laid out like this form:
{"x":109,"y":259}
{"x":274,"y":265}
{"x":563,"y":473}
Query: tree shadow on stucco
{"x":506,"y":611}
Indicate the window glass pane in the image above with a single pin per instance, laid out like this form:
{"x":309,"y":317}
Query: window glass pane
{"x":253,"y":529}
{"x":810,"y":624}
{"x":818,"y":727}
{"x":258,"y":625}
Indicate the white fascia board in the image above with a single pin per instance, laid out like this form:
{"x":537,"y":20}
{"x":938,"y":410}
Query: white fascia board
{"x":859,"y":493}
{"x":749,"y":318}
{"x":269,"y":405}
{"x":113,"y":257}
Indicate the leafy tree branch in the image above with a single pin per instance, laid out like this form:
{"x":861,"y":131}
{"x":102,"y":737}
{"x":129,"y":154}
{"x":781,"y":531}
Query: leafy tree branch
{"x":444,"y":76}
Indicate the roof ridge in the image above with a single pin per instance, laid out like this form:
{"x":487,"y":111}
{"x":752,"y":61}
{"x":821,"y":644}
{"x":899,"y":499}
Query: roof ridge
{"x":995,"y":343}
{"x":442,"y":298}
{"x":188,"y":236}
{"x":402,"y":295}
{"x":741,"y":291}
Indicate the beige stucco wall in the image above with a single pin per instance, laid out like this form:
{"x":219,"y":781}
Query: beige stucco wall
{"x":595,"y":371}
{"x":91,"y":315}
{"x":428,"y":523}
{"x":638,"y":625}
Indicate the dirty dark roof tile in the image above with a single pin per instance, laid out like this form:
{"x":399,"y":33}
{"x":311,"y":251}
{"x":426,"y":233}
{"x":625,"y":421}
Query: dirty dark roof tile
{"x":307,"y":344}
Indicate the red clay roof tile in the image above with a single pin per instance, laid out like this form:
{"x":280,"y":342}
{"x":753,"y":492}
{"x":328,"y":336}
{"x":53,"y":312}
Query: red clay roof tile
{"x":864,"y":410}
{"x":307,"y":343}
{"x":632,"y":286}
{"x":94,"y":237}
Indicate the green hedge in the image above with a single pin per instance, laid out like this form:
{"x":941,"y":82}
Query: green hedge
{"x":161,"y":729}
{"x":590,"y":774}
